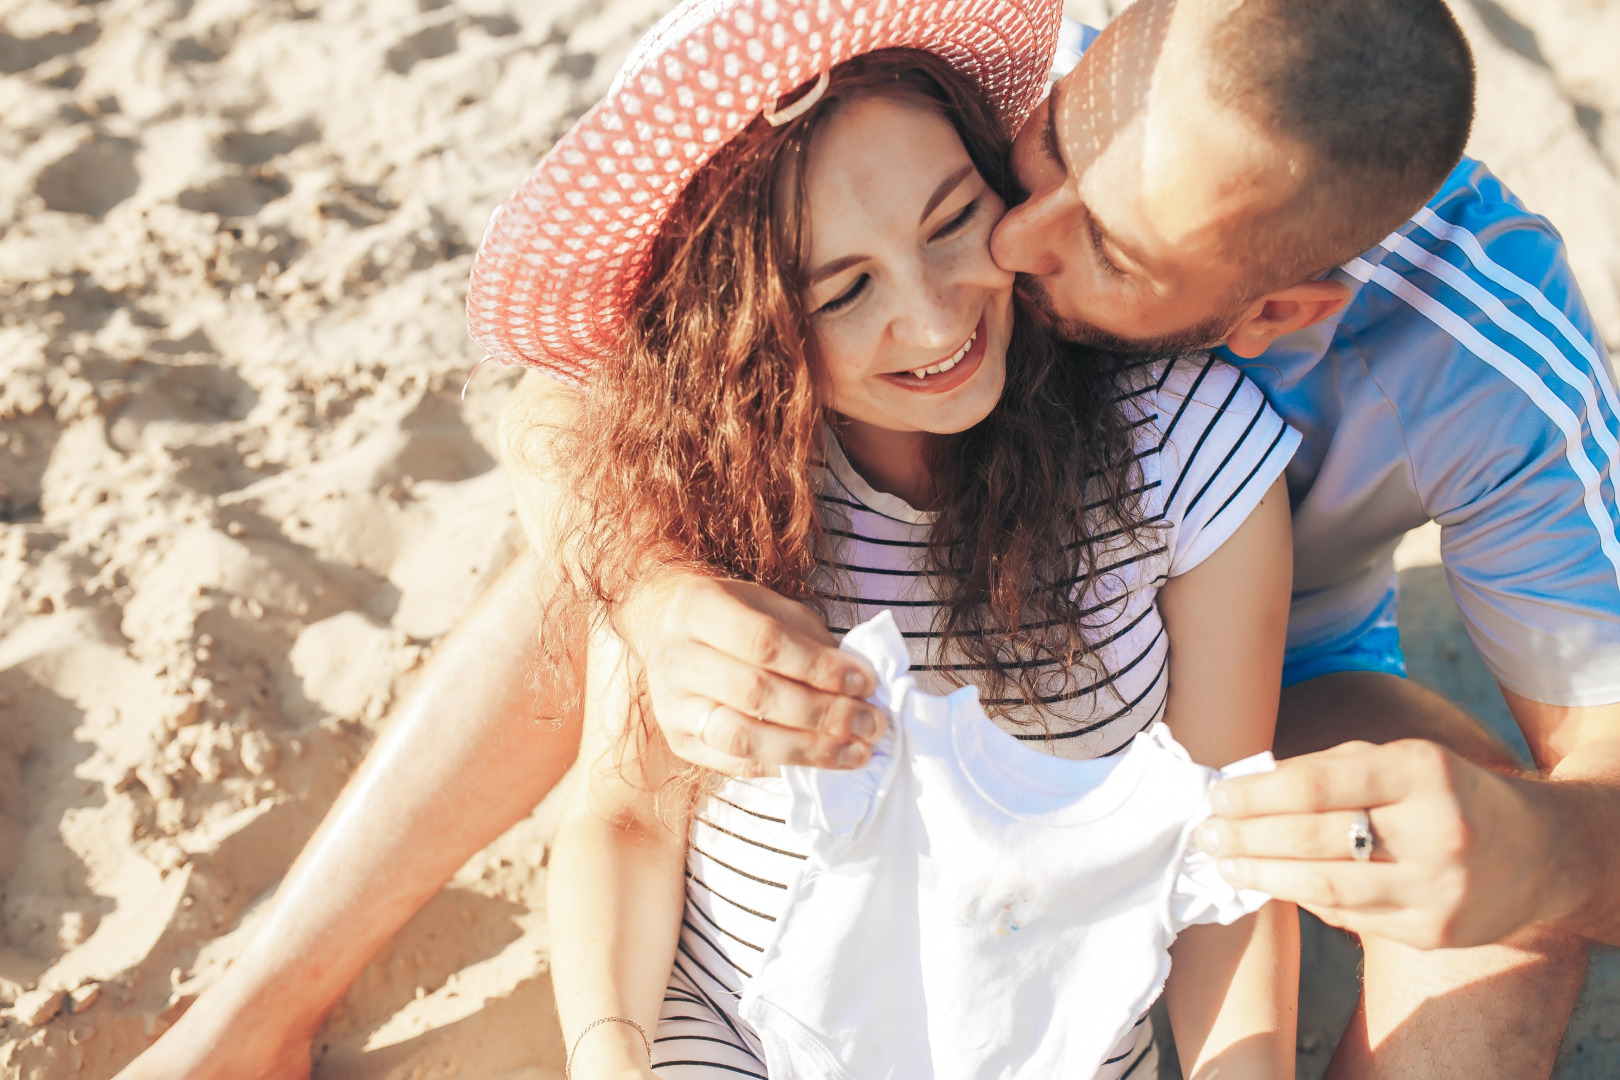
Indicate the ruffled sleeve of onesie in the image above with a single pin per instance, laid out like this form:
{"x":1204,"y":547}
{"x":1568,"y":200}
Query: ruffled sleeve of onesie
{"x":836,"y":805}
{"x":1200,"y":894}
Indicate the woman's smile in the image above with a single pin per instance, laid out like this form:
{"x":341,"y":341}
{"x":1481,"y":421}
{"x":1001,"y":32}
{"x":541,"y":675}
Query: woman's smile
{"x":911,"y":316}
{"x":947,"y":374}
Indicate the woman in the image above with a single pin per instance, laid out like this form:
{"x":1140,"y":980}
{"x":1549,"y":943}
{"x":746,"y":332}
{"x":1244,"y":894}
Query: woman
{"x":821,"y":386}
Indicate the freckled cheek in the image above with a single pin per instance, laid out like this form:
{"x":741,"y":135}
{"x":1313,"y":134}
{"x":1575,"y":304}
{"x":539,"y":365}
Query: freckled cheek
{"x":847,"y":360}
{"x":970,"y":266}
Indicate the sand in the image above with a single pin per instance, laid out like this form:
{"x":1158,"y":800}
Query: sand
{"x":241,"y":497}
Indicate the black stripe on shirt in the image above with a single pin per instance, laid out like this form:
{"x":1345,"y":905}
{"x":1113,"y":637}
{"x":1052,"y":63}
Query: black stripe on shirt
{"x":1138,"y":557}
{"x":712,"y":1065}
{"x":1088,"y":728}
{"x":714,"y":1006}
{"x":1203,"y":436}
{"x":750,"y":813}
{"x":1192,"y":392}
{"x":1084,"y":691}
{"x":1126,"y":1074}
{"x":1143,"y":490}
{"x":830,"y":565}
{"x":710,"y":889}
{"x":1231,"y":452}
{"x":682,"y":950}
{"x":1282,"y":432}
{"x":734,"y":870}
{"x":747,"y":840}
{"x":717,"y":950}
{"x":697,"y":907}
{"x":876,"y":539}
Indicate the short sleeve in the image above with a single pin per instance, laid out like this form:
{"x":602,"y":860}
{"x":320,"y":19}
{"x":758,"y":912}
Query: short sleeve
{"x":1199,"y":894}
{"x":1513,"y":433}
{"x":1221,"y":448}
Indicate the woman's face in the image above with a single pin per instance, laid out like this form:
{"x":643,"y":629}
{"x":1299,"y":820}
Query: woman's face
{"x":910,"y":314}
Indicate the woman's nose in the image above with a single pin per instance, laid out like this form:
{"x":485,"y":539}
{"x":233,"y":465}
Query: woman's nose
{"x":1023,"y":240}
{"x":934,"y":316}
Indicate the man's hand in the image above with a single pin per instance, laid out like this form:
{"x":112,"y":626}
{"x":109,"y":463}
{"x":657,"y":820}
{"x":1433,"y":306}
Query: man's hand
{"x":1463,"y":856}
{"x":742,"y":679}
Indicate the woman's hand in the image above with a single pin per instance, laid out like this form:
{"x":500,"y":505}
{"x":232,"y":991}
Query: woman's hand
{"x":742,"y":679}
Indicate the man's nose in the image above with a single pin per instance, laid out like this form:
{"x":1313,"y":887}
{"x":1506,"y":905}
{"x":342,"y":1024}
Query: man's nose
{"x":1022,"y":242}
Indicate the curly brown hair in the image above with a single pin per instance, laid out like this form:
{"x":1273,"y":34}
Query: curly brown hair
{"x":697,"y":446}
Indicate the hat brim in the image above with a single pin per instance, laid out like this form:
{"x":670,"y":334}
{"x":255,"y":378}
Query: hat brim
{"x":564,"y":254}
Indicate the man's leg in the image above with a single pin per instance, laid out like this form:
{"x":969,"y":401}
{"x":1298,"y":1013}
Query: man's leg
{"x":1480,"y":1014}
{"x":461,"y":762}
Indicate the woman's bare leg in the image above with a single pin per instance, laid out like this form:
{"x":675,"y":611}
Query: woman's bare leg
{"x":462,"y":761}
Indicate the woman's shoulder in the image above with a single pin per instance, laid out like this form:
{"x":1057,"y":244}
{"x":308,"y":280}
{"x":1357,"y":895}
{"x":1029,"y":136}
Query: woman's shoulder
{"x":1168,"y":385}
{"x":1209,"y":444}
{"x":1190,"y":404}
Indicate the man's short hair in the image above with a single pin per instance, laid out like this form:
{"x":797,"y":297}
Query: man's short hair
{"x":1379,"y":92}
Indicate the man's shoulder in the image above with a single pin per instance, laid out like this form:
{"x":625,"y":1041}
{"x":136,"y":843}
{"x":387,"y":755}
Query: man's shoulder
{"x":1476,"y":264}
{"x":1474,"y":292}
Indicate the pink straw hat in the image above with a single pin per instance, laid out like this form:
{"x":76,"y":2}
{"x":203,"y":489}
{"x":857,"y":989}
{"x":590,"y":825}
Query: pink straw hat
{"x":564,"y":254}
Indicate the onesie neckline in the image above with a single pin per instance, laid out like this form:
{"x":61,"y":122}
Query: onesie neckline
{"x":1026,"y":784}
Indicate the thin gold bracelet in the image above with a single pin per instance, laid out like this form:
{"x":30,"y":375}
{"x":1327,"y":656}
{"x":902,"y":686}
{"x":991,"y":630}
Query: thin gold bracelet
{"x":568,"y":1063}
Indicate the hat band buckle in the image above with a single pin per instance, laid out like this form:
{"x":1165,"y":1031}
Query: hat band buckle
{"x":776,"y":118}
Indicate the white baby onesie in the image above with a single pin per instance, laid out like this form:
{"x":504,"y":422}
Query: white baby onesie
{"x":973,"y":908}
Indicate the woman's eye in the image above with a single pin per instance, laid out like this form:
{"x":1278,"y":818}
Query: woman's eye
{"x":845,"y":298}
{"x":959,"y":222}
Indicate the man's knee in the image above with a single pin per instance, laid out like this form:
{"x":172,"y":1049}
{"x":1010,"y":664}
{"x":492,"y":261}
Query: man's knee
{"x":1498,"y":1011}
{"x":1380,"y":708}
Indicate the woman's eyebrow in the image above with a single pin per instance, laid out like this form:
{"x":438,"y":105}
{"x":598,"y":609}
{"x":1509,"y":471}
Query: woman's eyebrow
{"x":949,"y":185}
{"x":834,"y":267}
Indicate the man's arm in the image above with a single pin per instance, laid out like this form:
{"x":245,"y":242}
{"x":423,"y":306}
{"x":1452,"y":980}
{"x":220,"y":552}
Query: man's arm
{"x":1579,"y":750}
{"x":1466,"y":855}
{"x":740,"y":678}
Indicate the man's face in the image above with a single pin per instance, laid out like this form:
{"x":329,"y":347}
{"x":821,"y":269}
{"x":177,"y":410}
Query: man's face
{"x":1143,"y":192}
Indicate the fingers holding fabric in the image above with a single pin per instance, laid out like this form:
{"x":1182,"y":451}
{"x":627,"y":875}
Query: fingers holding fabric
{"x":742,"y":745}
{"x":1349,"y":777}
{"x":767,"y":632}
{"x":1324,"y":836}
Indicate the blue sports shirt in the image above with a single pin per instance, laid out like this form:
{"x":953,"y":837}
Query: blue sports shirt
{"x":1465,"y":384}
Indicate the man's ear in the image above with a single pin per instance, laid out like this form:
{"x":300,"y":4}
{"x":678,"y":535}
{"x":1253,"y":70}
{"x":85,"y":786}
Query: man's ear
{"x":1283,"y":312}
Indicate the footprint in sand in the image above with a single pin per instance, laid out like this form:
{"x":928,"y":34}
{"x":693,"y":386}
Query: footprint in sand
{"x":235,"y":196}
{"x":91,"y":180}
{"x":426,"y":44}
{"x":20,"y":54}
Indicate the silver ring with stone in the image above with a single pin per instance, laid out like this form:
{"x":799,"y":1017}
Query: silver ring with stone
{"x":703,"y":721}
{"x":1361,"y":837}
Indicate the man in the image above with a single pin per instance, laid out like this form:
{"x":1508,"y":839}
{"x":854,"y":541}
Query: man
{"x":1442,"y":385}
{"x":1193,"y":180}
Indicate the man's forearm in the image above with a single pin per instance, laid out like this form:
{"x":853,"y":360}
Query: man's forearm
{"x":1580,"y":801}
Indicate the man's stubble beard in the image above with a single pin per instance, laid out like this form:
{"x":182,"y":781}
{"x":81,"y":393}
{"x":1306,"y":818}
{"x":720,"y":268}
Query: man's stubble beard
{"x":1205,"y":335}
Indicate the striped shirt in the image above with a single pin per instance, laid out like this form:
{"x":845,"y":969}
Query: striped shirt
{"x":1208,"y":448}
